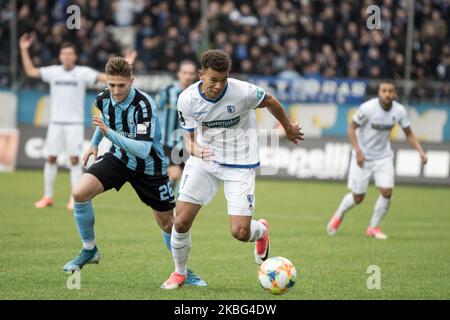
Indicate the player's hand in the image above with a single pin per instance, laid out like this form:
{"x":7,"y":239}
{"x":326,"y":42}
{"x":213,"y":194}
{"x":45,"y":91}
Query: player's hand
{"x":360,"y":158}
{"x":92,"y":151}
{"x":98,"y":122}
{"x":25,"y":41}
{"x":205,"y":153}
{"x":294,"y":133}
{"x":424,"y":158}
{"x":131,"y":57}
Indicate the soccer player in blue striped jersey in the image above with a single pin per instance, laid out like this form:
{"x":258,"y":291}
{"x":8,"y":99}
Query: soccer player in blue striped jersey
{"x":170,"y":125}
{"x":130,"y":122}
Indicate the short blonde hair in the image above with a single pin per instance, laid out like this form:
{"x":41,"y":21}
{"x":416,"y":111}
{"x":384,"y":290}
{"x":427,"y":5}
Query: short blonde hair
{"x":118,"y":66}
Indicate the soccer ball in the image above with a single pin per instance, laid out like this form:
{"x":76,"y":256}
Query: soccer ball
{"x":276,"y":275}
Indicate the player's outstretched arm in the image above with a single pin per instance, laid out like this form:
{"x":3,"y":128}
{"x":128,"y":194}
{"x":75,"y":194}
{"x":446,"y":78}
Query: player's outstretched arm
{"x":293,"y":130}
{"x":415,"y":143}
{"x":354,"y":142}
{"x":140,"y":149}
{"x":25,"y":43}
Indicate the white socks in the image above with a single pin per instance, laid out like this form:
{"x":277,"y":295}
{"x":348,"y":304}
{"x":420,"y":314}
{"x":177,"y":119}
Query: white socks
{"x":89,"y":245}
{"x":180,"y":243}
{"x":257,"y":230}
{"x":381,"y":207}
{"x":75,"y":173}
{"x":346,"y":204}
{"x":50,"y":172}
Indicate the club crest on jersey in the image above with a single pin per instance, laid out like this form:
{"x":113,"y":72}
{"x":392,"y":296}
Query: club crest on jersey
{"x":231,"y":108}
{"x":250,"y":201}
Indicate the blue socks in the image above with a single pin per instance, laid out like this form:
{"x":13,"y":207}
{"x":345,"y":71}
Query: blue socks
{"x":166,"y":237}
{"x":84,"y":217}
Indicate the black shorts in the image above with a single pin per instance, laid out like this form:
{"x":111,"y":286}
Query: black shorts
{"x":154,"y":191}
{"x":170,"y":160}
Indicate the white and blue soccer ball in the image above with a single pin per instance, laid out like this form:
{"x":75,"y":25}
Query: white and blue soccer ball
{"x":277,"y":275}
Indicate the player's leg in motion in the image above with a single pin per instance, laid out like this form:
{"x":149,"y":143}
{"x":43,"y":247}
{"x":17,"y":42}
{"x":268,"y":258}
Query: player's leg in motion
{"x":74,"y":135}
{"x":380,"y":210}
{"x":348,"y":202}
{"x":54,"y":143}
{"x":180,"y":242}
{"x":243,"y":228}
{"x":239,"y":188}
{"x":75,"y":173}
{"x":50,"y":172}
{"x":358,"y":182}
{"x":87,"y":188}
{"x":165,"y":222}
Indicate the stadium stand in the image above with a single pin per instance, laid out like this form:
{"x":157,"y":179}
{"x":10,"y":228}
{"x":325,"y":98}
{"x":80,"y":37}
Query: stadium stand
{"x":267,"y":37}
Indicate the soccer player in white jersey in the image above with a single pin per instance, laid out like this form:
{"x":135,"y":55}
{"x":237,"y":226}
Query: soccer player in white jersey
{"x":372,"y":156}
{"x":67,"y":93}
{"x":221,"y":136}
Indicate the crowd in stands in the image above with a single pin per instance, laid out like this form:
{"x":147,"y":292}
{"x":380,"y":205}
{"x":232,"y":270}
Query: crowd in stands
{"x":289,"y":38}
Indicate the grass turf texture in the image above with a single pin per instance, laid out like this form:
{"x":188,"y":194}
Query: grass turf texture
{"x":414,"y":261}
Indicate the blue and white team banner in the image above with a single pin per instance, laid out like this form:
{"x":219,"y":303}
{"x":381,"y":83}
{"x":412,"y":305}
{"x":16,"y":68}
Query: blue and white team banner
{"x":313,"y":90}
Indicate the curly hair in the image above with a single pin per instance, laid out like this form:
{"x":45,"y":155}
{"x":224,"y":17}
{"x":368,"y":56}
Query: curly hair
{"x":217,"y":60}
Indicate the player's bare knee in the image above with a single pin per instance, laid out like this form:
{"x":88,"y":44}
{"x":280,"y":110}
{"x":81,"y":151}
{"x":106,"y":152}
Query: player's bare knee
{"x":80,"y":195}
{"x":74,"y":160}
{"x":182,"y":226}
{"x":51,"y":159}
{"x":358,"y":198}
{"x":166,"y":224}
{"x":241,"y":233}
{"x":386,"y":193}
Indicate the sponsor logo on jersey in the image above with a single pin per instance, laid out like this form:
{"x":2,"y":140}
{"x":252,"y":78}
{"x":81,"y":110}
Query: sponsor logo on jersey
{"x":127,"y":134}
{"x":66,"y":83}
{"x":222,"y":123}
{"x":382,"y":127}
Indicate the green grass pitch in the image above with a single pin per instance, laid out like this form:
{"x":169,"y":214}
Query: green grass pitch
{"x":414,"y":261}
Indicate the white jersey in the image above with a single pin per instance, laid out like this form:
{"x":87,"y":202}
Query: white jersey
{"x":375,"y":125}
{"x":67,"y":91}
{"x":226,"y":124}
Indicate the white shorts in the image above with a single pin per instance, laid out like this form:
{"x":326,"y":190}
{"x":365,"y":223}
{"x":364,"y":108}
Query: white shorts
{"x":359,"y":178}
{"x":201,"y":181}
{"x":65,"y":137}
